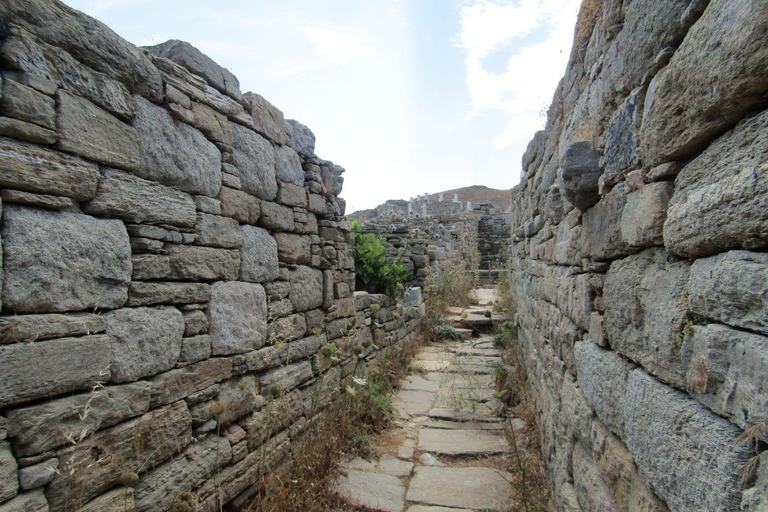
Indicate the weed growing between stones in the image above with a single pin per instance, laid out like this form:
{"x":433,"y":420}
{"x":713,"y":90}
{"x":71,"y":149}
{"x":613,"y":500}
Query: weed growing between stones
{"x":451,"y":287}
{"x":751,"y":436}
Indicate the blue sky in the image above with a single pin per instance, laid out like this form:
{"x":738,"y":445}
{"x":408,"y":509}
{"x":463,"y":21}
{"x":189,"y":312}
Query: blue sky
{"x":410,"y":96}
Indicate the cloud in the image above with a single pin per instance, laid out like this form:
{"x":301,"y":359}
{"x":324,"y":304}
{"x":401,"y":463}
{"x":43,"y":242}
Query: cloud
{"x":335,"y":47}
{"x":536,"y":35}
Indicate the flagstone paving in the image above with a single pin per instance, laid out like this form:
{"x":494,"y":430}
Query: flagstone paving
{"x":447,"y":428}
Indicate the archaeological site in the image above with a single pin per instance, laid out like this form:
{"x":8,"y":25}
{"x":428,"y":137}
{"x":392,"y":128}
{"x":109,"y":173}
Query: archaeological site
{"x":190,"y":321}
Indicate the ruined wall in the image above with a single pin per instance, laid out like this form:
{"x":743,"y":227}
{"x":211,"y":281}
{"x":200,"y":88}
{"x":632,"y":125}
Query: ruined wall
{"x":638,"y":262}
{"x":168,"y":244}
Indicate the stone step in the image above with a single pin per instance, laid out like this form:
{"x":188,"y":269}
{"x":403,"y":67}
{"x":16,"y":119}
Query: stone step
{"x":472,"y":488}
{"x":461,"y":442}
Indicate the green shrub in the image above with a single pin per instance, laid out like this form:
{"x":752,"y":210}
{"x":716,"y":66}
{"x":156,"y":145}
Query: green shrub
{"x":374,"y":270}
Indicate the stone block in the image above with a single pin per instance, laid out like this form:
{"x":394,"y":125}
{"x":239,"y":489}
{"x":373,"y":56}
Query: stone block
{"x":718,"y":202}
{"x":38,"y":475}
{"x":194,"y":263}
{"x":316,"y":204}
{"x":239,"y":205}
{"x":175,"y":154}
{"x":215,"y":231}
{"x":26,"y":502}
{"x":234,"y":329}
{"x":285,"y":353}
{"x":578,"y":174}
{"x":195,"y":348}
{"x":89,"y":131}
{"x":642,"y":221}
{"x":29,"y":328}
{"x":276,"y":217}
{"x":601,"y":227}
{"x":254,"y":157}
{"x":241,"y":397}
{"x":37,"y":200}
{"x":207,"y":204}
{"x":288,"y":328}
{"x":195,"y":322}
{"x":306,"y":287}
{"x":591,"y":490}
{"x":293,"y":248}
{"x":137,"y":200}
{"x":151,"y":293}
{"x":277,"y":415}
{"x":22,"y":130}
{"x":117,"y":500}
{"x":48,"y":425}
{"x":291,"y":195}
{"x":149,"y":266}
{"x":300,"y":138}
{"x":288,"y":166}
{"x":268,"y":120}
{"x":258,"y":255}
{"x":174,"y":385}
{"x":646,"y":306}
{"x":27,"y":104}
{"x":60,"y":261}
{"x":283,"y":379}
{"x":9,"y":479}
{"x":145,"y":341}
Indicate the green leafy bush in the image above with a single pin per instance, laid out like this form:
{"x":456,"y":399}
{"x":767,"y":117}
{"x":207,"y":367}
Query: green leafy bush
{"x":374,"y":269}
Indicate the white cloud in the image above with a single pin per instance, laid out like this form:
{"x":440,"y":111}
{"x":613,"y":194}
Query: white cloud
{"x":335,"y":47}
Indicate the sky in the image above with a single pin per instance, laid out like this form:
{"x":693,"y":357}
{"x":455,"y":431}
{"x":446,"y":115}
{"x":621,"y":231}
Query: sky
{"x":409,"y":96}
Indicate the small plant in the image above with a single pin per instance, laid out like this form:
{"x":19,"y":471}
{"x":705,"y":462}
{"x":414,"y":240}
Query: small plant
{"x":374,"y":269}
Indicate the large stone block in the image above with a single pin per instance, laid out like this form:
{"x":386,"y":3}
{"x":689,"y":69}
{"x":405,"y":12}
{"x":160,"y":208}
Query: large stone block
{"x":258,"y":256}
{"x":195,"y":263}
{"x":37,"y":370}
{"x":28,"y":328}
{"x":216,"y":231}
{"x":601,"y":227}
{"x":174,"y":385}
{"x":240,"y":394}
{"x":134,"y":199}
{"x":646,"y":305}
{"x":48,"y":425}
{"x":285,"y":378}
{"x":118,"y":500}
{"x":301,"y":138}
{"x":149,"y":266}
{"x":719,"y":200}
{"x":145,"y":341}
{"x":89,"y":131}
{"x":715,"y":77}
{"x":288,"y":328}
{"x":268,"y":120}
{"x":578,"y":175}
{"x":27,"y":104}
{"x":621,"y":135}
{"x":94,"y":465}
{"x":26,"y":502}
{"x":288,"y":166}
{"x":255,"y":159}
{"x":306,"y":287}
{"x":591,"y":490}
{"x":35,"y":169}
{"x":276,"y":217}
{"x":293,"y":248}
{"x":239,"y":205}
{"x":22,"y":130}
{"x":9,"y":478}
{"x":642,"y":221}
{"x":236,"y":329}
{"x":151,"y":293}
{"x":284,"y":353}
{"x":175,"y":154}
{"x":59,"y":261}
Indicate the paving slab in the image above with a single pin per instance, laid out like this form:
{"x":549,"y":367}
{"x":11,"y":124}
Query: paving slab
{"x":430,"y":365}
{"x":474,"y":425}
{"x":415,"y":383}
{"x":472,"y":488}
{"x":373,"y":490}
{"x":461,"y":442}
{"x":480,"y":413}
{"x":427,"y":508}
{"x":476,"y":351}
{"x":410,"y":409}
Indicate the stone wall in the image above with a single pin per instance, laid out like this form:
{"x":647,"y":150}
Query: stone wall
{"x":638,"y":262}
{"x":174,"y":260}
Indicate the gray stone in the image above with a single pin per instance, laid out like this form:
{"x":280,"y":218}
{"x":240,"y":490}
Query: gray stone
{"x":136,"y":445}
{"x":155,"y":233}
{"x":578,"y":174}
{"x":48,"y":425}
{"x":373,"y":491}
{"x":37,"y":370}
{"x":755,"y":499}
{"x":285,"y":378}
{"x":277,"y":415}
{"x":621,"y":134}
{"x":207,"y":205}
{"x":213,"y":124}
{"x":284,"y":353}
{"x":37,"y":200}
{"x":719,"y":197}
{"x":151,"y":293}
{"x":37,"y":83}
{"x":293,"y":248}
{"x":174,"y":385}
{"x":197,"y":62}
{"x":17,"y":129}
{"x":255,"y":159}
{"x":258,"y":255}
{"x":9,"y":480}
{"x":34,"y":169}
{"x":427,"y":508}
{"x":195,"y":322}
{"x":32,"y":477}
{"x":317,"y":204}
{"x":592,"y":492}
{"x":687,"y":454}
{"x":137,"y":200}
{"x":733,"y":288}
{"x":27,"y":104}
{"x":149,"y":266}
{"x":26,"y":502}
{"x":461,"y":442}
{"x":471,"y":487}
{"x":175,"y":154}
{"x":601,"y":227}
{"x":117,"y":500}
{"x":276,"y":217}
{"x":239,"y":205}
{"x":306,"y":287}
{"x":195,"y":348}
{"x":715,"y":77}
{"x":288,"y":166}
{"x":300,"y":138}
{"x":216,"y":231}
{"x":291,"y":195}
{"x":89,"y":131}
{"x":234,"y":329}
{"x":185,"y":473}
{"x":29,"y":328}
{"x":145,"y":341}
{"x":645,"y":312}
{"x":196,"y":263}
{"x":240,"y":394}
{"x":642,"y":221}
{"x":288,"y":328}
{"x":268,"y":120}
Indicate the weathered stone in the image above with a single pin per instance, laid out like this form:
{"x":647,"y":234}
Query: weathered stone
{"x":32,"y":168}
{"x":284,"y":353}
{"x":255,"y":159}
{"x":645,"y":311}
{"x":291,"y":195}
{"x":197,"y":62}
{"x":38,"y":200}
{"x":373,"y":491}
{"x":642,"y":220}
{"x":235,"y":329}
{"x":277,"y":415}
{"x":28,"y":328}
{"x":473,"y":488}
{"x":288,"y":328}
{"x":239,"y":205}
{"x":195,"y":348}
{"x":216,"y":231}
{"x":715,"y":77}
{"x":316,"y":204}
{"x":89,"y":131}
{"x":241,"y":397}
{"x":37,"y":83}
{"x":175,"y":154}
{"x":285,"y":378}
{"x":276,"y":216}
{"x":719,"y":197}
{"x":195,"y":322}
{"x":592,"y":491}
{"x":293,"y":248}
{"x":137,"y":200}
{"x":621,"y":135}
{"x":306,"y":287}
{"x":136,"y":445}
{"x":196,"y":263}
{"x":288,"y":166}
{"x":268,"y":120}
{"x":149,"y":266}
{"x":461,"y":442}
{"x":151,"y":293}
{"x":60,"y":366}
{"x":117,"y":500}
{"x":32,"y":477}
{"x":27,"y":104}
{"x":258,"y":255}
{"x":145,"y":341}
{"x":177,"y":384}
{"x":26,"y":502}
{"x":9,"y":480}
{"x":38,"y":428}
{"x":29,"y":132}
{"x":155,"y":233}
{"x":601,"y":227}
{"x":207,"y":204}
{"x":578,"y":174}
{"x":300,"y":138}
{"x":186,"y":472}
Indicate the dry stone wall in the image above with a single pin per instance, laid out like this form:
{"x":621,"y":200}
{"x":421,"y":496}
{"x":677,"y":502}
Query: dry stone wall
{"x":168,"y":244}
{"x":638,"y":259}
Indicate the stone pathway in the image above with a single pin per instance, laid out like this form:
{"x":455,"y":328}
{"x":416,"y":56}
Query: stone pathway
{"x":437,"y":453}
